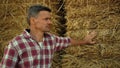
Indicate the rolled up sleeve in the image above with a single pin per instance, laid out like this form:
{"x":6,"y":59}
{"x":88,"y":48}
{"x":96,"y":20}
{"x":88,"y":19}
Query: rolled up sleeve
{"x":62,"y":42}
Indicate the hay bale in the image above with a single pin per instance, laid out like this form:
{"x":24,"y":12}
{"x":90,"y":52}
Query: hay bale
{"x":102,"y":16}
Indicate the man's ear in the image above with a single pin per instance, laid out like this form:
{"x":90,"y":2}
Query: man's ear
{"x":32,"y":20}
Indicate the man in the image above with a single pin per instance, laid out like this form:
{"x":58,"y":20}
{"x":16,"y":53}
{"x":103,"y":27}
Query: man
{"x":35,"y":47}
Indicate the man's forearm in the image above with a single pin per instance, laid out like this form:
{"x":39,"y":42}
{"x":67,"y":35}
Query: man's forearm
{"x":78,"y":42}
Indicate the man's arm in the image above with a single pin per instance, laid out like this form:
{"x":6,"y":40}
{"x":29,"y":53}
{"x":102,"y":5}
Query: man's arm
{"x":77,"y":42}
{"x":87,"y":40}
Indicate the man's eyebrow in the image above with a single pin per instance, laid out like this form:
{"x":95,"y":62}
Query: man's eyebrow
{"x":48,"y":18}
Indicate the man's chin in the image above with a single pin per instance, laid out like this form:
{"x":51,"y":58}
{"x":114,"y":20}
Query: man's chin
{"x":47,"y":31}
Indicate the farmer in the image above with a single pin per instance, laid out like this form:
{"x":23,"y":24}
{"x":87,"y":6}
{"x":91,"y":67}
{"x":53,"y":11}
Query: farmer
{"x":35,"y":47}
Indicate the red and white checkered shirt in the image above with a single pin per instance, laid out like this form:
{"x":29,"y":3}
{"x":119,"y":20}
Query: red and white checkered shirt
{"x":24,"y":52}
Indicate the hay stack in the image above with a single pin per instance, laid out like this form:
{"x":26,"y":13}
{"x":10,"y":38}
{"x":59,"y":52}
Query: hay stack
{"x":84,"y":16}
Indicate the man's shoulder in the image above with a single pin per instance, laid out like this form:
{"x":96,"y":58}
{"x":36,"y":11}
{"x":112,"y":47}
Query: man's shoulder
{"x":18,"y":42}
{"x":49,"y":36}
{"x":17,"y":39}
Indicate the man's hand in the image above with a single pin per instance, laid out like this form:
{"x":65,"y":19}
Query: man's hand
{"x":89,"y":37}
{"x":87,"y":40}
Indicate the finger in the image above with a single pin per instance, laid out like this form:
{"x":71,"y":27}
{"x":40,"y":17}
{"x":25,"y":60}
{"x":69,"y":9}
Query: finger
{"x":88,"y":32}
{"x":93,"y":42}
{"x":93,"y":34}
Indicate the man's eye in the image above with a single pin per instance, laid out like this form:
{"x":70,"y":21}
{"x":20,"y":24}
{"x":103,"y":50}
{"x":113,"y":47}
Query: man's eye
{"x":47,"y":18}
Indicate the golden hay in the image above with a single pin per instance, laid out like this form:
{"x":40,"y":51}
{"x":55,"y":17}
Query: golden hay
{"x":102,"y":16}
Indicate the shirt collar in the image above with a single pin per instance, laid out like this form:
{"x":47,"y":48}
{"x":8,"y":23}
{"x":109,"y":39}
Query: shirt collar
{"x":26,"y":33}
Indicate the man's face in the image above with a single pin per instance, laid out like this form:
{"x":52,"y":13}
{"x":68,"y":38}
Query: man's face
{"x":43,"y":21}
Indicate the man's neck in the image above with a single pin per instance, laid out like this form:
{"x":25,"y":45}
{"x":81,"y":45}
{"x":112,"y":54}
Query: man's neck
{"x":37,"y":35}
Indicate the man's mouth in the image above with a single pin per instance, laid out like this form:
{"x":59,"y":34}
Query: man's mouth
{"x":48,"y":27}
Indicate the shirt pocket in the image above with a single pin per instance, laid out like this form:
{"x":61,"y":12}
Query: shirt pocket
{"x":29,"y":57}
{"x":29,"y":53}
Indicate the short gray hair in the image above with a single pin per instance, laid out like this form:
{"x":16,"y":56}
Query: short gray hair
{"x":34,"y":10}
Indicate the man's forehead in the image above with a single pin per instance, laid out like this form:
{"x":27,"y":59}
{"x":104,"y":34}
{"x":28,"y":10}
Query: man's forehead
{"x":44,"y":13}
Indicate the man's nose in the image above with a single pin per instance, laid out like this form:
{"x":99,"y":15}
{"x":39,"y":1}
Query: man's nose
{"x":49,"y":22}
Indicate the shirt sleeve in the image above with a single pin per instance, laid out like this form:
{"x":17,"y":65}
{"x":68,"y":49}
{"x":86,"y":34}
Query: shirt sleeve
{"x":61,"y":42}
{"x":9,"y":59}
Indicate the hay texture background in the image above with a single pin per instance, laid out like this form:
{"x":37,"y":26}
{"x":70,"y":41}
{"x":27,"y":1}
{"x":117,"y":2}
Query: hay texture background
{"x":84,"y":16}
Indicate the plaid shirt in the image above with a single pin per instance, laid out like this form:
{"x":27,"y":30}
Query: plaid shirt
{"x":24,"y":52}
